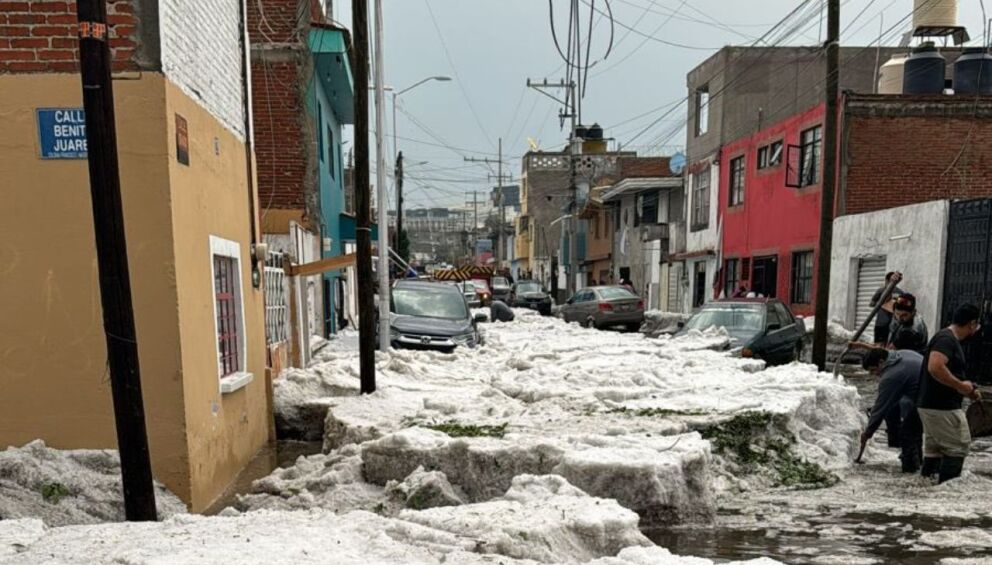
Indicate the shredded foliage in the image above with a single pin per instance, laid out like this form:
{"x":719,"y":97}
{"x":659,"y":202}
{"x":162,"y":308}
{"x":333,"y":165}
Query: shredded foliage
{"x":757,"y":440}
{"x":653,"y":412}
{"x":454,"y":429}
{"x":53,"y":493}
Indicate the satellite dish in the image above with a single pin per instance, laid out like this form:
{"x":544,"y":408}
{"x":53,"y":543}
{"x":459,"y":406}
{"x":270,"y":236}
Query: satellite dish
{"x":534,"y":145}
{"x":677,"y":163}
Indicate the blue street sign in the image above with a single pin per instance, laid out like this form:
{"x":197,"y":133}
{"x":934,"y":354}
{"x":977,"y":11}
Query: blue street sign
{"x":62,"y":133}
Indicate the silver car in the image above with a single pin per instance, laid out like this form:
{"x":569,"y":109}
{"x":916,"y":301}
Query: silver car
{"x":603,"y":307}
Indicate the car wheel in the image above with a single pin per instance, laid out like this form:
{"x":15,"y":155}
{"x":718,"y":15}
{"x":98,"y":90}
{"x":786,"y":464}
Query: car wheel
{"x":589,"y":323}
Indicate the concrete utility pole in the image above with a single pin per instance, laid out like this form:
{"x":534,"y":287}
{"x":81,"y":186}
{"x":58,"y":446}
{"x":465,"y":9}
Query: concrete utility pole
{"x":829,"y":186}
{"x":380,"y":179}
{"x":499,"y":195}
{"x":363,"y":232}
{"x":111,"y":253}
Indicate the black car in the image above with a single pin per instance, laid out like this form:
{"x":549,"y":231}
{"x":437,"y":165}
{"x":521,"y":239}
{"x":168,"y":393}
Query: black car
{"x":530,"y":294}
{"x":431,"y":315}
{"x":764,"y":328}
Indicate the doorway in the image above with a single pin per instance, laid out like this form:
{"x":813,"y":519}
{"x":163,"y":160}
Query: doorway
{"x":764,"y":280}
{"x":698,"y":284}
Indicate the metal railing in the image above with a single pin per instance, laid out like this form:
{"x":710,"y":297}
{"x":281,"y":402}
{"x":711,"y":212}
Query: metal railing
{"x":276,"y":306}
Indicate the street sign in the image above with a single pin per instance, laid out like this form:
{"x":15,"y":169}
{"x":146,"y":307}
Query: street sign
{"x":62,"y":133}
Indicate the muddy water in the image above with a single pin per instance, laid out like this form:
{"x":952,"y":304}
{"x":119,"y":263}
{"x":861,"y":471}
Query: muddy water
{"x":281,"y":454}
{"x":792,"y":530}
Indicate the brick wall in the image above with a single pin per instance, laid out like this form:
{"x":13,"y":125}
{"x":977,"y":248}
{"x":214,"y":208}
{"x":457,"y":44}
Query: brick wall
{"x":40,"y":36}
{"x":908,"y":152}
{"x":279,"y":146}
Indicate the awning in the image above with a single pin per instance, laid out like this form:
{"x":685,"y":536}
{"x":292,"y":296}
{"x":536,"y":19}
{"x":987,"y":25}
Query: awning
{"x":332,"y":67}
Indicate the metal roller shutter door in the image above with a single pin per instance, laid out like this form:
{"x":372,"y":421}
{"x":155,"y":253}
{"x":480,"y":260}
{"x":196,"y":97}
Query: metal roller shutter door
{"x":871,"y":275}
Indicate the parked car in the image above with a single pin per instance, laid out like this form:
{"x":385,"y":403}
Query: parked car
{"x":530,"y":294}
{"x":501,"y":289}
{"x":482,"y":289}
{"x":605,"y":306}
{"x":763,"y":328}
{"x":431,"y":315}
{"x":471,"y":296}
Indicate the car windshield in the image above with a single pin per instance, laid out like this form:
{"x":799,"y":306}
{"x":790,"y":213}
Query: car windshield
{"x":480,"y":284}
{"x":429,"y":303}
{"x":615,"y":293}
{"x":731,"y":316}
{"x":524,"y":288}
{"x":500,"y":282}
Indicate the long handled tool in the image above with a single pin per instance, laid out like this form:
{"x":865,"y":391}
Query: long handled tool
{"x":864,"y":325}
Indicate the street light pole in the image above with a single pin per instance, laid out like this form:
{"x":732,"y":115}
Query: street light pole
{"x":380,"y":176}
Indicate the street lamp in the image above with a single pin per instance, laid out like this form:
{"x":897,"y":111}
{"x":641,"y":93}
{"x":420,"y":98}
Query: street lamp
{"x":439,"y":78}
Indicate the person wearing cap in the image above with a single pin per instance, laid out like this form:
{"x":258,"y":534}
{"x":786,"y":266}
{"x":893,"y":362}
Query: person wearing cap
{"x":907,"y":330}
{"x":946,"y":436}
{"x":884,"y":317}
{"x":895,"y":403}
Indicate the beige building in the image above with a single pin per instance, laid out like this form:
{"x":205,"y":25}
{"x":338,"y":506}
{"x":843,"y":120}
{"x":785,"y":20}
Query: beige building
{"x":188,"y":204}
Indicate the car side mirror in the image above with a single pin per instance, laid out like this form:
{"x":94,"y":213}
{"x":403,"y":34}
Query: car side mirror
{"x":570,"y":301}
{"x":773,"y":327}
{"x":480,"y":319}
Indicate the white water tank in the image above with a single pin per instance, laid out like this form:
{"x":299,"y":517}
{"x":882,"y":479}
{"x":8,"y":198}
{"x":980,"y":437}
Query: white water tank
{"x":890,"y":75}
{"x":935,"y":13}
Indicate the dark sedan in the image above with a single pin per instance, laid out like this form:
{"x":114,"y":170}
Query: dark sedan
{"x":530,"y":294}
{"x":430,"y":315}
{"x":763,"y":328}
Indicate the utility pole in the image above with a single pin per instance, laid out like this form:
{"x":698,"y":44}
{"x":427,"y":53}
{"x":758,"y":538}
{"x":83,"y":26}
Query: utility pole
{"x":111,"y":253}
{"x":380,"y":176}
{"x":363,"y":232}
{"x":572,"y":109}
{"x":399,"y":204}
{"x":829,"y":186}
{"x":499,"y":195}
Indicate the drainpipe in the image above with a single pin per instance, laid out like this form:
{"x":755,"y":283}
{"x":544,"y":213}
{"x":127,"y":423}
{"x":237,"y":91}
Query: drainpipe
{"x":258,"y":252}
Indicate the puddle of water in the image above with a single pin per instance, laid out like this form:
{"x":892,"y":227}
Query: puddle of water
{"x":280,"y":454}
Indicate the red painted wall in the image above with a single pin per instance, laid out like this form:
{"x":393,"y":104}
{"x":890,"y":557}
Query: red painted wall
{"x":774,"y":219}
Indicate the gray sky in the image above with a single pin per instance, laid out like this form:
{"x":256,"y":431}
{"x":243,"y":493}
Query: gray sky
{"x":491,"y":47}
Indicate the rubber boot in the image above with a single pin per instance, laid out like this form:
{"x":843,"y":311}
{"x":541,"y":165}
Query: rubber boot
{"x":931,"y":467}
{"x":910,"y":459}
{"x":950,"y":468}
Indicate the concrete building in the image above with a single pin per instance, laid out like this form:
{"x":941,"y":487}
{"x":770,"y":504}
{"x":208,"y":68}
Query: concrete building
{"x":303,"y":97}
{"x":190,"y":219}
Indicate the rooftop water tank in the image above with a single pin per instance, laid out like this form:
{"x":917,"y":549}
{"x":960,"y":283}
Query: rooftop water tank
{"x":973,"y":72}
{"x":935,"y":13}
{"x":924,"y":71}
{"x":595,"y":131}
{"x":581,"y":131}
{"x":890,"y":75}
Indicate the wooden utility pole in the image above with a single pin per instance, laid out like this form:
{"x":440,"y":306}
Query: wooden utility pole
{"x":829,"y":186}
{"x":111,"y":253}
{"x":399,"y":205}
{"x":363,"y":235}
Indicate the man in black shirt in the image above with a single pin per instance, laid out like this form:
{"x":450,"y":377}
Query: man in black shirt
{"x":907,"y":330}
{"x":946,"y":437}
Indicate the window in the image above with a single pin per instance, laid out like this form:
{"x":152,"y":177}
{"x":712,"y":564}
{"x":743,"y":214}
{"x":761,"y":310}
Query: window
{"x":647,"y":208}
{"x":702,"y":110}
{"x":731,"y":277}
{"x":770,"y":155}
{"x":737,"y":181}
{"x":228,"y":314}
{"x":774,"y":317}
{"x":320,"y":132}
{"x":809,"y":157}
{"x":701,"y":199}
{"x":330,"y":150}
{"x":802,"y":277}
{"x":699,"y":284}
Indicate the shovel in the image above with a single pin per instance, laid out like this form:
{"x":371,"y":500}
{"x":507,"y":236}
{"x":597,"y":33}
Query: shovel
{"x":886,"y":294}
{"x":978,"y":414}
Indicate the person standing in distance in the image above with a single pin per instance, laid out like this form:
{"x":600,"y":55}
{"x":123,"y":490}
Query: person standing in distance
{"x":946,"y":437}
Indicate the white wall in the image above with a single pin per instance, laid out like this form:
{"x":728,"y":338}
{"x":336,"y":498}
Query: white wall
{"x":708,"y":238}
{"x":201,"y":53}
{"x":912,"y":238}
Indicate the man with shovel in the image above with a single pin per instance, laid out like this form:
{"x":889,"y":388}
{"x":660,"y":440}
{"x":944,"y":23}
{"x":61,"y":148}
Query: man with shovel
{"x":946,"y":437}
{"x":895,"y":403}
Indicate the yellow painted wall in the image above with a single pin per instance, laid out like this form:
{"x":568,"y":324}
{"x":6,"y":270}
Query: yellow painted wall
{"x":53,"y":381}
{"x":210,"y":197}
{"x":53,"y":378}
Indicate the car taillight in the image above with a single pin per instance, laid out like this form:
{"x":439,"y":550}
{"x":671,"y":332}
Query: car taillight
{"x":640,"y":304}
{"x":605,"y":307}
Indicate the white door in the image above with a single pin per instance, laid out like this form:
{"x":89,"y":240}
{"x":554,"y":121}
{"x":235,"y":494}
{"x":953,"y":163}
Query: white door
{"x":871,"y":275}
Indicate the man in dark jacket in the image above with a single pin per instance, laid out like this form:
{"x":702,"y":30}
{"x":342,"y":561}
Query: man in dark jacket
{"x":895,"y":403}
{"x":907,"y":330}
{"x":884,"y":317}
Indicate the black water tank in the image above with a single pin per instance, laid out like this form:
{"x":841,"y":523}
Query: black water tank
{"x":924,"y":71}
{"x":581,"y":131}
{"x":973,"y":72}
{"x":595,"y":131}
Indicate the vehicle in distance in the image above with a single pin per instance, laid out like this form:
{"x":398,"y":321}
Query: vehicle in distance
{"x":501,"y":289}
{"x":530,"y":294}
{"x":603,"y":307}
{"x":482,"y":290}
{"x":471,"y":296}
{"x":431,"y":315}
{"x":763,"y":328}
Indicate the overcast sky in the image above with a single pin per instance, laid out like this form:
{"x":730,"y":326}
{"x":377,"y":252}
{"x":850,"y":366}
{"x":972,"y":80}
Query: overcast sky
{"x":490,"y":47}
